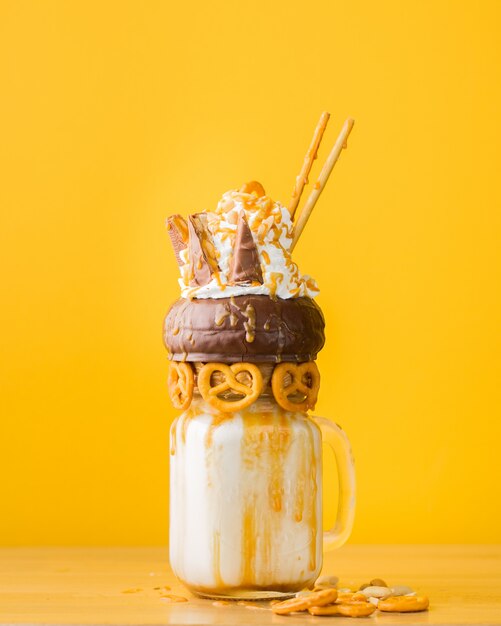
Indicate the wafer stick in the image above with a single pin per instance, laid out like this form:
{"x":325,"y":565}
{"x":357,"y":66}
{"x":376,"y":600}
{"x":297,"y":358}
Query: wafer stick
{"x":322,"y":180}
{"x":311,"y":155}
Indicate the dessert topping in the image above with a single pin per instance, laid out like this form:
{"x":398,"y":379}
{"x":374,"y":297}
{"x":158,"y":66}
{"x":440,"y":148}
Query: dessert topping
{"x":180,"y":381}
{"x":245,"y":266}
{"x":245,"y":394}
{"x":295,"y":387}
{"x":202,"y":263}
{"x":178,"y":233}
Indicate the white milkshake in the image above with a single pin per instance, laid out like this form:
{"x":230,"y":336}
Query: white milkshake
{"x":246,"y":504}
{"x":246,"y":458}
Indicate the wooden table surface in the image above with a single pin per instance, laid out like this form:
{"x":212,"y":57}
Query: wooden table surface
{"x":120,"y":586}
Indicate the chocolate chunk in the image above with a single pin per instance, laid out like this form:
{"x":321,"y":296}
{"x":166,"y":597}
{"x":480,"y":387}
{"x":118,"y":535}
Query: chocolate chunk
{"x":216,"y":330}
{"x":202,"y":254}
{"x":178,"y":233}
{"x":245,"y":266}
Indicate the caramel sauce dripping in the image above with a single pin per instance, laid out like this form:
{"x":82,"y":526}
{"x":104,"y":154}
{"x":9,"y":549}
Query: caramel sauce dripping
{"x":217,"y":561}
{"x":313,"y":499}
{"x":221,"y":314}
{"x":300,"y":483}
{"x":250,"y":324}
{"x":217,"y":420}
{"x":249,"y":544}
{"x":233,"y":315}
{"x":265,"y":445}
{"x":266,"y":257}
{"x":184,"y":423}
{"x":173,"y":436}
{"x":275,"y":277}
{"x":279,"y":441}
{"x":217,"y":277}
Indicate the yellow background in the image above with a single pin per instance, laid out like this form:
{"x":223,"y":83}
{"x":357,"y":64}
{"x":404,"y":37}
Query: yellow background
{"x":115,"y":114}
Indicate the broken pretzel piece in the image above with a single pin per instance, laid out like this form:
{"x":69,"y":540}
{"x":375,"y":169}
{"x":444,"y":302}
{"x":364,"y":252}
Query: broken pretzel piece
{"x":404,"y":604}
{"x":303,"y":603}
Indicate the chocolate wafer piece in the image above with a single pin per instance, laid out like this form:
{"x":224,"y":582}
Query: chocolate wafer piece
{"x":245,"y":266}
{"x":201,"y":251}
{"x":178,"y":233}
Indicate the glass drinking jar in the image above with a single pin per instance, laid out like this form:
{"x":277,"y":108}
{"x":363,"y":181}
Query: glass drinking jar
{"x":246,"y":499}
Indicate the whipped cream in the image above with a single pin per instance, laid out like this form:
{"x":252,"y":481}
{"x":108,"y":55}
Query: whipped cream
{"x":271,"y":228}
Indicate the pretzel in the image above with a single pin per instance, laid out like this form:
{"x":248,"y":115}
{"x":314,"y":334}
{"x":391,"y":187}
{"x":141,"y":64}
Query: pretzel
{"x":404,"y":604}
{"x":297,"y":373}
{"x":361,"y":609}
{"x":358,"y":609}
{"x":303,"y":603}
{"x":230,"y":383}
{"x":351,"y":598}
{"x":329,"y":609}
{"x":180,"y":384}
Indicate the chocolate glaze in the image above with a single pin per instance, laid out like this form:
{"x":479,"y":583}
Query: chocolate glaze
{"x":218,"y":330}
{"x":245,"y":266}
{"x":202,"y":265}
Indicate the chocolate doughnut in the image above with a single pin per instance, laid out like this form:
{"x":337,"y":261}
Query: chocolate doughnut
{"x":249,"y":328}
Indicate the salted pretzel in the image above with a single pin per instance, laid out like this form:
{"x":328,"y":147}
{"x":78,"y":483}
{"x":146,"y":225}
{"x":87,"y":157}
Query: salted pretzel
{"x":230,"y":384}
{"x":180,"y":381}
{"x":303,"y":603}
{"x":304,"y":382}
{"x":404,"y":604}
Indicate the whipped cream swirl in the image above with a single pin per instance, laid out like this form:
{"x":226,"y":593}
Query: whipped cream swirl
{"x":271,"y":228}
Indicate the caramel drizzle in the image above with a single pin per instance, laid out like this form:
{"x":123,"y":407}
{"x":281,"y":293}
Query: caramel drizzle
{"x":222,"y":312}
{"x":313,"y":497}
{"x":250,"y":324}
{"x":265,"y":445}
{"x":249,"y":544}
{"x":218,"y":579}
{"x":173,"y":436}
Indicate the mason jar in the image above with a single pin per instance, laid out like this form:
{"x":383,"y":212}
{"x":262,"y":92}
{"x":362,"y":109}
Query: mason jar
{"x":246,"y":499}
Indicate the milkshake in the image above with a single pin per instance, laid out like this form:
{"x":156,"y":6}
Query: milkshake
{"x":245,"y":454}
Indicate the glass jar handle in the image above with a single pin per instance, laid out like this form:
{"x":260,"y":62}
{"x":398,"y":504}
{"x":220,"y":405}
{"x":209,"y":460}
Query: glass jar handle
{"x":336,"y":438}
